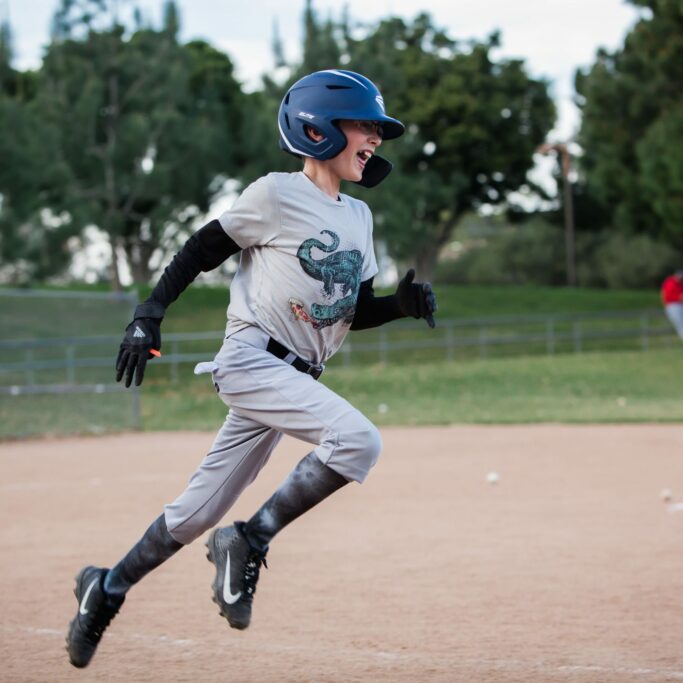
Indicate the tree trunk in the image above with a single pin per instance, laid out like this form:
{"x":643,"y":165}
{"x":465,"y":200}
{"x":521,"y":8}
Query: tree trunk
{"x":110,"y":179}
{"x":115,"y":279}
{"x":425,"y":264}
{"x":427,"y":257}
{"x":139,"y":254}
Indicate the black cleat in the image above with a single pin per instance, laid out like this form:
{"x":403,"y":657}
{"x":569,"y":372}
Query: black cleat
{"x":95,"y":610}
{"x":237,"y":571}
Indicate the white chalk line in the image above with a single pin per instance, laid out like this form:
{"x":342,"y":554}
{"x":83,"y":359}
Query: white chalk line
{"x":448,"y":659}
{"x":145,"y":638}
{"x":93,"y":482}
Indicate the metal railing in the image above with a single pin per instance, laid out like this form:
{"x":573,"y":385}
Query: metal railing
{"x":43,"y":355}
{"x":63,"y":359}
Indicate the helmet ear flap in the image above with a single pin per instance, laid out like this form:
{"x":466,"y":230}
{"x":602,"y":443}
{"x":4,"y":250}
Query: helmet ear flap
{"x":297,"y":142}
{"x":308,"y":129}
{"x":284,"y":148}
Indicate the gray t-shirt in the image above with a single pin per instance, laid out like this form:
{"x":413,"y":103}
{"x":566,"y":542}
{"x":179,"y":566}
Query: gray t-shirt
{"x":303,"y":258}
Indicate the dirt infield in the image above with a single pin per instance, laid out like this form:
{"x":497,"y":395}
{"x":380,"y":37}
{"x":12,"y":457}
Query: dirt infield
{"x":568,"y":569}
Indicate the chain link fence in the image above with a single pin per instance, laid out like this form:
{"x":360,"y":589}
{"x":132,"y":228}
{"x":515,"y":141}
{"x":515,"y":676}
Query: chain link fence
{"x":57,"y":352}
{"x":410,"y":341}
{"x":56,"y":363}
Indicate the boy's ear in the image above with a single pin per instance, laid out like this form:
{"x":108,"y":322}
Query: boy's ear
{"x":313,"y":134}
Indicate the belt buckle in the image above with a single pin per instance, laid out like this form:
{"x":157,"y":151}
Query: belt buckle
{"x":315,"y":371}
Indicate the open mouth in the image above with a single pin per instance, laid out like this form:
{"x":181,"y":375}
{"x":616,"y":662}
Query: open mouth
{"x":364,"y":156}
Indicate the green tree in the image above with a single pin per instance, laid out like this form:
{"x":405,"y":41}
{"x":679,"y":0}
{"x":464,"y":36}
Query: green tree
{"x":660,"y":156}
{"x":321,"y":49}
{"x":278,"y":47}
{"x":147,"y":128}
{"x":30,"y":244}
{"x":473,"y":125}
{"x":75,"y":17}
{"x":631,"y":132}
{"x":171,"y":21}
{"x":5,"y":54}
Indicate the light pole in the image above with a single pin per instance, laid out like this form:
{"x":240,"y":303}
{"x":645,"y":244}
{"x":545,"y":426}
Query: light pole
{"x":564,"y":160}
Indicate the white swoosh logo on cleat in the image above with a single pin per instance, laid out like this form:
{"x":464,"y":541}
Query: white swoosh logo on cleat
{"x":227,"y":593}
{"x":82,"y":608}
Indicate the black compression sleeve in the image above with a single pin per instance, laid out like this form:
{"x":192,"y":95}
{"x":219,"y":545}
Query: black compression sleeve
{"x":372,"y":311}
{"x":204,"y":251}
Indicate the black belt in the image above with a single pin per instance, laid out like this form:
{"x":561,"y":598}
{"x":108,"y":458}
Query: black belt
{"x":300,"y":364}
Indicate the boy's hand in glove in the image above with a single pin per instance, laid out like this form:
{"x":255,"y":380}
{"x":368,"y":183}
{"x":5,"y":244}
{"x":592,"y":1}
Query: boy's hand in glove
{"x":416,"y":298}
{"x":141,"y":342}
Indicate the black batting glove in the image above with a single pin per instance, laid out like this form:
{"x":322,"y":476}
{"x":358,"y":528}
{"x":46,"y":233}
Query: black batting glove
{"x":142,"y":337}
{"x":416,"y":298}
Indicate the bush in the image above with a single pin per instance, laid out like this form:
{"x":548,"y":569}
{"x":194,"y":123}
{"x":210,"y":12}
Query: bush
{"x":527,"y":254}
{"x":533,"y":253}
{"x":621,"y":261}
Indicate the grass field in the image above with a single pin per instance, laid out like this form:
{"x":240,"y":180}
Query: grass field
{"x":573,"y":388}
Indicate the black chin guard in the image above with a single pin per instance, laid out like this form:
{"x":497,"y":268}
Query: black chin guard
{"x":375,"y":171}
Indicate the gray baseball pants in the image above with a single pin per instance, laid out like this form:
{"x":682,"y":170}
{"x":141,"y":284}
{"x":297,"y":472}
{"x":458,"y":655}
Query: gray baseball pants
{"x":267,"y":398}
{"x":675,"y":314}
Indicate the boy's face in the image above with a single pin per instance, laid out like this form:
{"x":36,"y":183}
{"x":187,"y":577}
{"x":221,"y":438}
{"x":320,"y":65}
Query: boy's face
{"x":363,"y":138}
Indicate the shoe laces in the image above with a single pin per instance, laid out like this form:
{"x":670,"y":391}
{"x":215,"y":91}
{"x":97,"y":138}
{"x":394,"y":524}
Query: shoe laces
{"x":101,"y":618}
{"x":252,"y":569}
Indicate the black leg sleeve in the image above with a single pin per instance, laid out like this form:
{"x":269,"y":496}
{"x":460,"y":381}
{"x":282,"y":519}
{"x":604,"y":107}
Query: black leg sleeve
{"x":308,"y":484}
{"x":154,"y":548}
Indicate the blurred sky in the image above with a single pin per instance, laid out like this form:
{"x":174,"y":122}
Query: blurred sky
{"x":554,"y":37}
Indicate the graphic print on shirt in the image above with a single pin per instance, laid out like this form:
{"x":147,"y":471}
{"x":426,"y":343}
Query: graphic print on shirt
{"x":339,"y":272}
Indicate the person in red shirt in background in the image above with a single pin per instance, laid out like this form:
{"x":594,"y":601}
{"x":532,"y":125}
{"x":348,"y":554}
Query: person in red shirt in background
{"x":672,"y":298}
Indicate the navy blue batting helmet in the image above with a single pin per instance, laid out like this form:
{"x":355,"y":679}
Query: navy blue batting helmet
{"x":323,"y":98}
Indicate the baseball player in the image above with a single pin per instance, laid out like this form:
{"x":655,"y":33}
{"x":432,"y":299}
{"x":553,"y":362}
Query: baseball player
{"x":305,"y":278}
{"x":672,"y":298}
